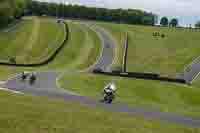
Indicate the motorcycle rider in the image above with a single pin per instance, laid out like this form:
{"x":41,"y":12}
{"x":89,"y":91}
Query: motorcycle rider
{"x":109,"y":92}
{"x":24,"y":76}
{"x":32,"y":78}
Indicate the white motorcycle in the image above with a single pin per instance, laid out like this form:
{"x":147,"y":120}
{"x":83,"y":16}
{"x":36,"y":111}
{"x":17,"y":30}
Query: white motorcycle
{"x":109,"y":93}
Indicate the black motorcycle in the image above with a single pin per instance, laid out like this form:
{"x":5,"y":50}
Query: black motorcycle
{"x":24,"y":76}
{"x":32,"y":79}
{"x":108,"y":98}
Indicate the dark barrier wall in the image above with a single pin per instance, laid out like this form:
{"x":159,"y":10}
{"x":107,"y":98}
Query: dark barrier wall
{"x":45,"y":61}
{"x":125,"y":53}
{"x":148,"y":76}
{"x":142,"y":75}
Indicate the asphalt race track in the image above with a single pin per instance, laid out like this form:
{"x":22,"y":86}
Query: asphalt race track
{"x":45,"y":85}
{"x":108,"y":51}
{"x":191,"y":72}
{"x":46,"y":81}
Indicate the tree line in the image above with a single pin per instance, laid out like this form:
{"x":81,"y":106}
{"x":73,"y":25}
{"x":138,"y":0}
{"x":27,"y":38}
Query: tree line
{"x":11,"y":9}
{"x":15,"y":9}
{"x":129,"y":16}
{"x":166,"y":22}
{"x":197,"y":25}
{"x":174,"y":22}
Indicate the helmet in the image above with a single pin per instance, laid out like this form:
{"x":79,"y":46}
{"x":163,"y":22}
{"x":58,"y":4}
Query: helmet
{"x":108,"y":90}
{"x":113,"y":87}
{"x":110,"y":87}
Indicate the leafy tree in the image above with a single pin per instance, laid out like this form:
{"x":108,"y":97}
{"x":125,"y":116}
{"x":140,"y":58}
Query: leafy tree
{"x":11,"y":9}
{"x":164,"y":21}
{"x":174,"y":22}
{"x":12,"y":60}
{"x":197,"y":25}
{"x":5,"y":13}
{"x":21,"y":6}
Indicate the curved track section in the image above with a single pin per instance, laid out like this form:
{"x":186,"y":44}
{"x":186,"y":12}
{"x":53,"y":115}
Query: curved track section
{"x":45,"y":85}
{"x":108,"y":51}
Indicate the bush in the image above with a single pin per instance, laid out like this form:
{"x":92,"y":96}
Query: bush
{"x":157,"y":34}
{"x":5,"y":16}
{"x":163,"y":35}
{"x":12,"y":60}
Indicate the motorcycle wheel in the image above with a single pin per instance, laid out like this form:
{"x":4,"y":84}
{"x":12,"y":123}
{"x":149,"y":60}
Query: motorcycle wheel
{"x":109,"y":101}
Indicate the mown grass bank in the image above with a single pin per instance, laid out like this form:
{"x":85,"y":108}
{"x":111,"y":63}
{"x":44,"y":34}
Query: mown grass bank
{"x":166,"y":55}
{"x":149,"y":94}
{"x":22,"y":114}
{"x":80,"y":52}
{"x":31,"y":40}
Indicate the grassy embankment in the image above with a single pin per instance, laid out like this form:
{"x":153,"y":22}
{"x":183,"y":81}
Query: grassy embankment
{"x":163,"y":96}
{"x":22,"y":114}
{"x":32,"y":40}
{"x":81,"y":50}
{"x":168,"y":56}
{"x":153,"y":94}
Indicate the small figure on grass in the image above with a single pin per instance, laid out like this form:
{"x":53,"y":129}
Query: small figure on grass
{"x":157,"y":34}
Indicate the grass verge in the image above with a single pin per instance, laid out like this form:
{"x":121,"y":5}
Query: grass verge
{"x":31,"y":40}
{"x":22,"y":114}
{"x":81,"y":51}
{"x":166,"y":97}
{"x":119,"y":35}
{"x":167,"y":56}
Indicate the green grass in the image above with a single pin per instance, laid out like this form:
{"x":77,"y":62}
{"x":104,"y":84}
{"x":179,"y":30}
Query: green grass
{"x":9,"y":39}
{"x":27,"y":114}
{"x":196,"y":82}
{"x":32,"y":40}
{"x":166,"y":56}
{"x":50,"y":36}
{"x":158,"y":95}
{"x":80,"y":52}
{"x":119,"y":35}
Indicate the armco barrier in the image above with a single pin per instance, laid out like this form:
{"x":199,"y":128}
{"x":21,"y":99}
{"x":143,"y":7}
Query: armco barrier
{"x":47,"y":60}
{"x":147,"y":76}
{"x":175,"y":80}
{"x":143,"y":75}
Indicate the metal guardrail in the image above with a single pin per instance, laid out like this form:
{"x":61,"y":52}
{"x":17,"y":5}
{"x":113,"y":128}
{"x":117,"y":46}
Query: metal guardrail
{"x":147,"y":76}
